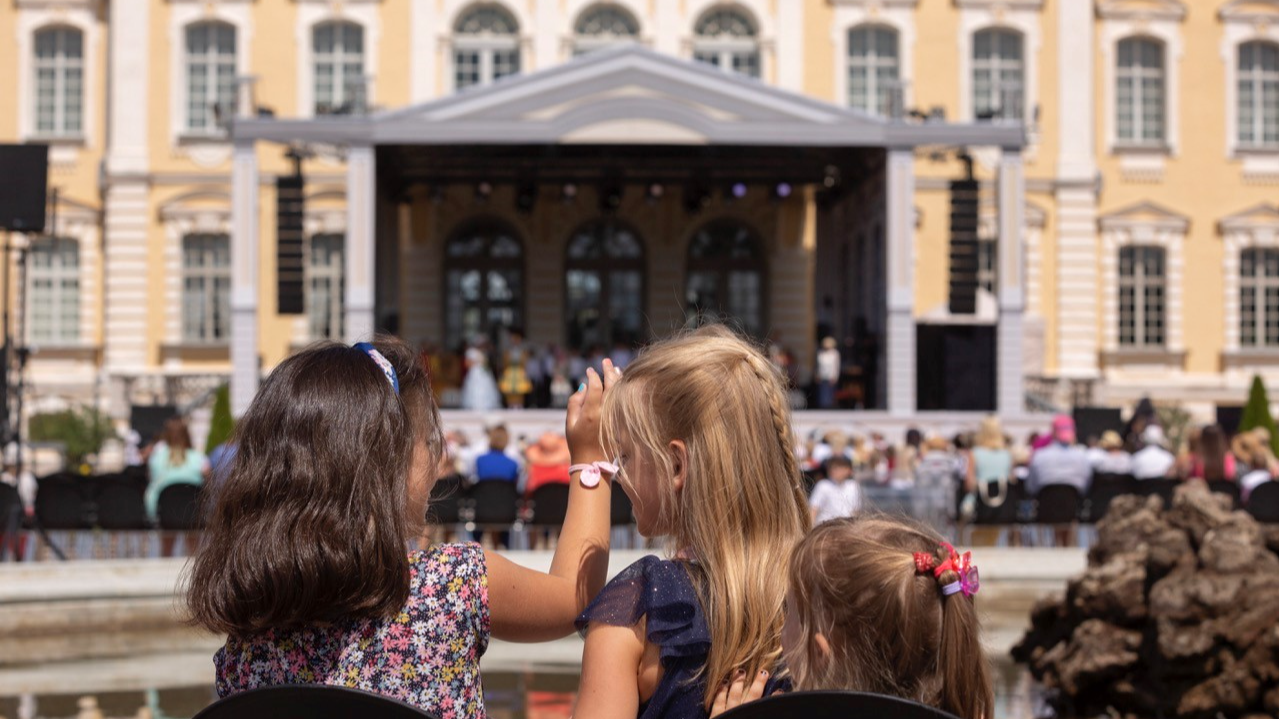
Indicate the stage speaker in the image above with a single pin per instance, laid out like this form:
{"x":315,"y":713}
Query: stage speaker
{"x":955,"y":368}
{"x":1092,"y":422}
{"x":148,"y":420}
{"x":24,"y":181}
{"x":963,"y":247}
{"x":289,"y":251}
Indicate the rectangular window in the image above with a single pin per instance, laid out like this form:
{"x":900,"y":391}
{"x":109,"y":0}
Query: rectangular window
{"x":206,"y":288}
{"x":1139,"y":92}
{"x":872,"y":69}
{"x":210,"y":75}
{"x":59,"y":68}
{"x":324,"y":270}
{"x":1258,"y":86}
{"x":1142,"y":296}
{"x":53,"y":291}
{"x":997,"y":74}
{"x":1259,"y":297}
{"x":339,"y":68}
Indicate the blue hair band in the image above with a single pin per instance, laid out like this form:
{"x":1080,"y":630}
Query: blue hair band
{"x":382,"y":362}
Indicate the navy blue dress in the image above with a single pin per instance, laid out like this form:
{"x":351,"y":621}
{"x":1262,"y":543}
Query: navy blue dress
{"x":662,"y":591}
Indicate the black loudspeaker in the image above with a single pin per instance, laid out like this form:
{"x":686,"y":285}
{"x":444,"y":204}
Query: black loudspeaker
{"x":1228,"y":418}
{"x":24,"y":182}
{"x":289,"y":254}
{"x":1092,"y":422}
{"x":148,"y":420}
{"x":955,"y":367}
{"x":963,"y":247}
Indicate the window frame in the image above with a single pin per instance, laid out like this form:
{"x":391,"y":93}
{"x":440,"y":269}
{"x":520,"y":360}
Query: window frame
{"x":61,"y":65}
{"x":881,"y":104}
{"x":1137,"y":74}
{"x":1140,"y":284}
{"x":603,"y":266}
{"x":214,"y":306}
{"x":58,"y":273}
{"x":483,"y":263}
{"x":1002,"y":66}
{"x":334,"y":275}
{"x":212,"y":60}
{"x":1256,"y":78}
{"x":339,"y":57}
{"x":723,"y":50}
{"x":486,"y":45}
{"x":724,"y":267}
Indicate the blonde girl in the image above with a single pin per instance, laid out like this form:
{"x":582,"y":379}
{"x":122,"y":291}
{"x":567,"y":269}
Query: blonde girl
{"x":875,"y":605}
{"x":701,"y":427}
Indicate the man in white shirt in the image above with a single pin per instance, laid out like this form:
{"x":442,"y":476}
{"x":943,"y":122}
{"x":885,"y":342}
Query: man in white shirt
{"x":1152,"y":461}
{"x":838,"y":495}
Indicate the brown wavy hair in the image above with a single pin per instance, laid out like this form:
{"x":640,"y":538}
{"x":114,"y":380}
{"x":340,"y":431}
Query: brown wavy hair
{"x":889,"y":629}
{"x":742,"y":507}
{"x":311,"y":521}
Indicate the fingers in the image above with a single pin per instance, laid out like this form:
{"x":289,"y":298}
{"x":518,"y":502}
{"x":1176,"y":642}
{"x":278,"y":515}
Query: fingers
{"x":611,"y":374}
{"x":756,"y":690}
{"x":720,"y":705}
{"x":738,"y":689}
{"x":575,"y":403}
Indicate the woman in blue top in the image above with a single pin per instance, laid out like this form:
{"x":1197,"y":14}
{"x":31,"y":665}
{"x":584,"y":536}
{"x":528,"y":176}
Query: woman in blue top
{"x":173,"y":461}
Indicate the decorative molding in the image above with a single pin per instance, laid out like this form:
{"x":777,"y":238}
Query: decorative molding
{"x":1115,"y":27}
{"x":1141,"y":11}
{"x":365,"y":13}
{"x":873,"y":5}
{"x":1250,"y":11}
{"x":900,"y":17}
{"x":239,"y":15}
{"x":1022,"y":16}
{"x":1145,"y":223}
{"x":83,"y":16}
{"x":1242,"y":23}
{"x":1257,"y":226}
{"x":1141,"y":216}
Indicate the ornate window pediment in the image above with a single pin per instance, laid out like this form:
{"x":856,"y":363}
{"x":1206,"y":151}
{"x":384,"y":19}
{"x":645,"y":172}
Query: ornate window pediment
{"x":1141,"y":10}
{"x":1250,"y":11}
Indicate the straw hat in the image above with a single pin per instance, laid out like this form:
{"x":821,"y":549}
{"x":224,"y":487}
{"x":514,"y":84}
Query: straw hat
{"x":1110,"y":440}
{"x":936,"y":444}
{"x":550,"y":450}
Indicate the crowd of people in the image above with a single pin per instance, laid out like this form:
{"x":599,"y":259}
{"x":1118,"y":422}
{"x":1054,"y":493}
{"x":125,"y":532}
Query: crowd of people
{"x":303,"y":566}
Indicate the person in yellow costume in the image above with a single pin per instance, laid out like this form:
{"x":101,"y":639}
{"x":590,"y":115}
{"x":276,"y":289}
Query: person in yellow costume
{"x":515,"y":383}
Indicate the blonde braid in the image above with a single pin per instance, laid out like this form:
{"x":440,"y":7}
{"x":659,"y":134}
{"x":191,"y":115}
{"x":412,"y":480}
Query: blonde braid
{"x":769,"y":375}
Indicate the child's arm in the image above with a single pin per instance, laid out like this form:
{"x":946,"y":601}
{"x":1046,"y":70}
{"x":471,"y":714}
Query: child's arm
{"x":610,"y":672}
{"x":529,"y":606}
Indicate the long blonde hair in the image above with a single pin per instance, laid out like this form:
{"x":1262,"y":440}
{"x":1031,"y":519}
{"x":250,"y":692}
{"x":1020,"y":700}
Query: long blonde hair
{"x":990,"y":435}
{"x":889,"y":629}
{"x":742,"y":507}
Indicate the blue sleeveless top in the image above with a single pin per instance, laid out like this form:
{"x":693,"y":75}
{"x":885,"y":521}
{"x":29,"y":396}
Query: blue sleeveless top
{"x":662,"y":592}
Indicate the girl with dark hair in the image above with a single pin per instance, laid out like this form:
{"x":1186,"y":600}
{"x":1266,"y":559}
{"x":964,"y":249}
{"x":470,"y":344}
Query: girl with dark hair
{"x":1212,"y":460}
{"x":305,"y":565}
{"x":875,"y":605}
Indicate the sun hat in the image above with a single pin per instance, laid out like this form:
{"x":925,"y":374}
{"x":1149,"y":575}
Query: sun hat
{"x":1110,"y":439}
{"x":549,"y":450}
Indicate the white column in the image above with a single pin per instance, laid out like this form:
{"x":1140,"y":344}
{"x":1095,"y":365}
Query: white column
{"x":245,"y":222}
{"x":900,"y":237}
{"x":1010,"y":400}
{"x":361,"y":249}
{"x":1076,"y":347}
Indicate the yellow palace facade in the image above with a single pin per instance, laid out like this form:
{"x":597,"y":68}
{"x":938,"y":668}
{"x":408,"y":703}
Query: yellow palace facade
{"x":598,"y":173}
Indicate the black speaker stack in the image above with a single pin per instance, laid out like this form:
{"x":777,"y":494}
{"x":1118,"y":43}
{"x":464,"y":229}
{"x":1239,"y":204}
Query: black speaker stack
{"x":24,"y":181}
{"x":964,"y":198}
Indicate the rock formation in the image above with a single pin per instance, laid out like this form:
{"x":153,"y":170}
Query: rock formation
{"x":1177,"y":615}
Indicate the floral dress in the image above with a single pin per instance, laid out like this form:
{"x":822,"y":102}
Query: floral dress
{"x":428,"y":655}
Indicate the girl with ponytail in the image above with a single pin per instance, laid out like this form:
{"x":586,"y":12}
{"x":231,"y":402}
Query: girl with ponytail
{"x":701,"y":429}
{"x":876,"y":605}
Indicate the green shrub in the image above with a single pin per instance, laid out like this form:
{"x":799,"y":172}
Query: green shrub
{"x":81,"y":431}
{"x":221,"y":424}
{"x":1257,"y":412}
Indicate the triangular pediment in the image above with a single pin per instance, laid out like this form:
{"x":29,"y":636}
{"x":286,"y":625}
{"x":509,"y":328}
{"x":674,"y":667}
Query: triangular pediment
{"x":1144,"y":214}
{"x":628,"y":95}
{"x":1263,"y":215}
{"x":1141,"y":9}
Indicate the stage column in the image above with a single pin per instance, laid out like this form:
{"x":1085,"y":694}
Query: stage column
{"x":361,"y":248}
{"x":245,"y":223}
{"x":1010,"y":392}
{"x":900,"y":213}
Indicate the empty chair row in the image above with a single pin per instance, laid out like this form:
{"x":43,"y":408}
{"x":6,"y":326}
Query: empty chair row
{"x":113,"y":502}
{"x":497,"y":503}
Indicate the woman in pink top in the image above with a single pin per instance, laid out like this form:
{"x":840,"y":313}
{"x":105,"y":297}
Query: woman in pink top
{"x":1213,"y":460}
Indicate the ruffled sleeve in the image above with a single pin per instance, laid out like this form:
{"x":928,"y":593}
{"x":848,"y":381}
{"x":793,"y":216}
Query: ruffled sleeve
{"x":661,"y":592}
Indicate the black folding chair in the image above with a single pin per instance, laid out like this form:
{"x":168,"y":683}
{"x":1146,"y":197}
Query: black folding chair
{"x":119,"y":507}
{"x":548,"y":505}
{"x":492,"y":505}
{"x":1162,"y":488}
{"x":833,"y":705}
{"x":1057,"y":506}
{"x":179,"y":507}
{"x":621,"y":512}
{"x":61,"y":502}
{"x":11,"y":512}
{"x":1105,"y":487}
{"x":1228,"y":488}
{"x":1263,"y":503}
{"x":309,"y":701}
{"x":446,"y":501}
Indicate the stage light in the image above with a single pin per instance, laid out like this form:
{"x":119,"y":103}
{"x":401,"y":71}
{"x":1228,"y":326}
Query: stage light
{"x":569,"y":192}
{"x":737,"y":191}
{"x":526,"y":198}
{"x":783,"y":190}
{"x":655,"y":192}
{"x":483,"y":191}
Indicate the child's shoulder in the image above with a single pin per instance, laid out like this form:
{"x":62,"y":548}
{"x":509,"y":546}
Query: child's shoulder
{"x":460,"y":558}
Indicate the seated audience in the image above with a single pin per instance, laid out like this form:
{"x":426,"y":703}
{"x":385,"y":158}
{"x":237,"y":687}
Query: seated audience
{"x":173,"y":461}
{"x":1111,"y":457}
{"x":1153,"y":460}
{"x":495,"y":464}
{"x":1257,"y":457}
{"x":846,"y":577}
{"x":838,"y":495}
{"x":1061,"y":461}
{"x":1213,"y":462}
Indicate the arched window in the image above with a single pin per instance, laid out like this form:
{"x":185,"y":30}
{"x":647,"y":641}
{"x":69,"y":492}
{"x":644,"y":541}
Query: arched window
{"x":486,"y":46}
{"x":872,"y":68}
{"x":59,"y":81}
{"x":1259,"y":94}
{"x":727,"y":39}
{"x":338,"y":54}
{"x":1142,"y":290}
{"x":604,"y":286}
{"x":998,"y":74}
{"x":325,"y":286}
{"x":1139,"y":92}
{"x":602,"y":26}
{"x":210,"y":74}
{"x":53,"y":291}
{"x":726,"y":276}
{"x":484,"y":268}
{"x":1259,"y":297}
